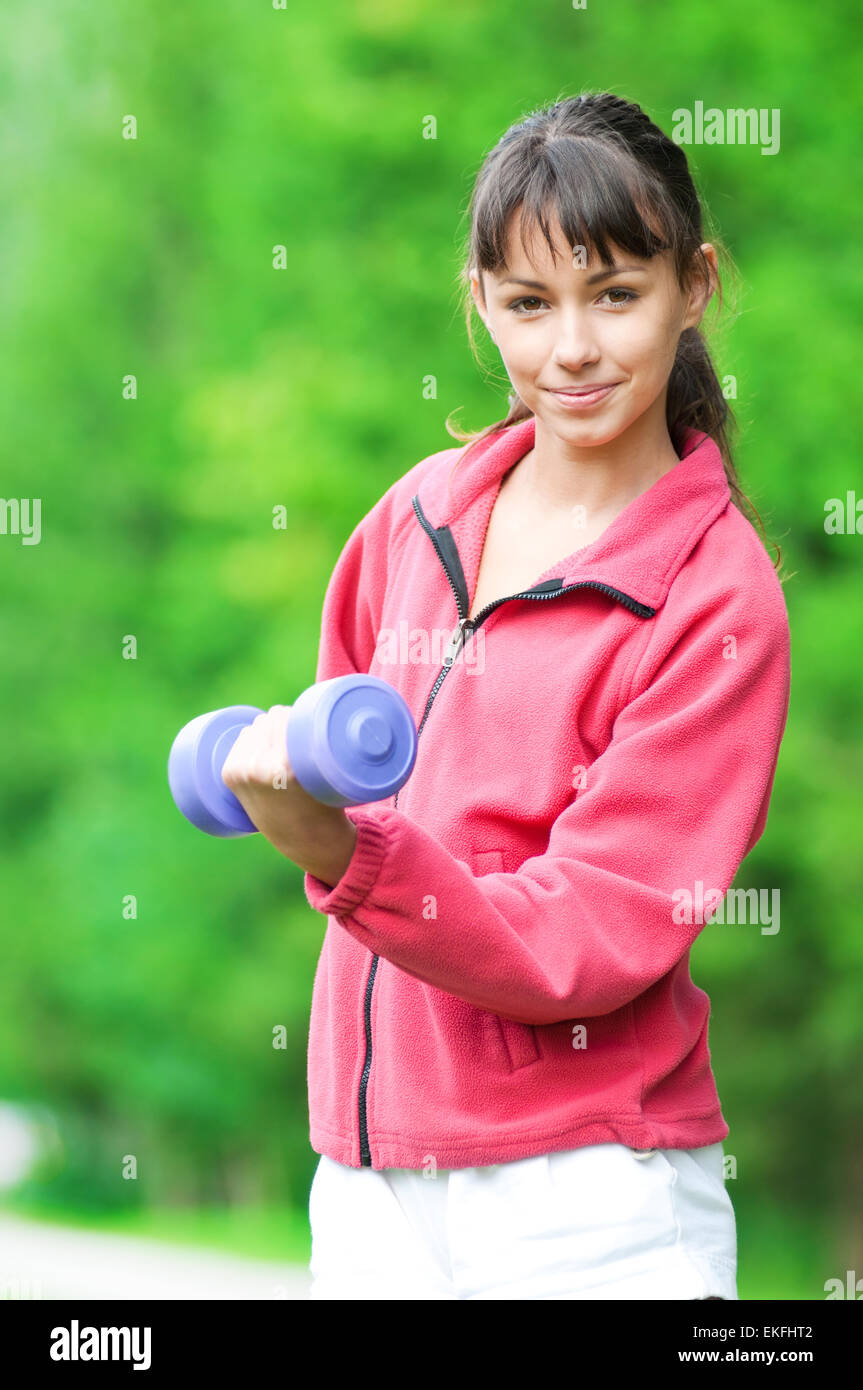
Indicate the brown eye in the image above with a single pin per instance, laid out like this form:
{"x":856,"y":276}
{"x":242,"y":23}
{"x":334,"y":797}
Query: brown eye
{"x":526,"y":299}
{"x":620,"y":302}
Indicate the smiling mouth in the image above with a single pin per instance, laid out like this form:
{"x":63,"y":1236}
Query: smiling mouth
{"x":582,"y":396}
{"x":582,"y":390}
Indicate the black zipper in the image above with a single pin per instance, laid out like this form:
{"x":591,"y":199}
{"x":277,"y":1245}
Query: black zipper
{"x":365,"y":1152}
{"x":445,"y":547}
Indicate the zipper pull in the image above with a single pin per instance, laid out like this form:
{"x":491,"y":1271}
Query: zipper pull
{"x":457,"y":641}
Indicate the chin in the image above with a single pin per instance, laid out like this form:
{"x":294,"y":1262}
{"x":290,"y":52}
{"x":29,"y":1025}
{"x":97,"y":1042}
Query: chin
{"x":583,"y":432}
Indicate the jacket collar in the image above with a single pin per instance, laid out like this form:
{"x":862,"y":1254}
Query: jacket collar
{"x":642,"y":549}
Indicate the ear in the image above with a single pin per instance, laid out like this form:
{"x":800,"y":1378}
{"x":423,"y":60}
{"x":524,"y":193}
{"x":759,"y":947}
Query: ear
{"x":476,"y":292}
{"x":702,"y":288}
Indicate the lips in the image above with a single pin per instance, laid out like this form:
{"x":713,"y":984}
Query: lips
{"x":581,"y":390}
{"x":583,"y":398}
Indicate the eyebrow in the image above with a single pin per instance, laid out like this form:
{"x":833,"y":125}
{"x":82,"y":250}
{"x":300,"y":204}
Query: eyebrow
{"x":591,"y":279}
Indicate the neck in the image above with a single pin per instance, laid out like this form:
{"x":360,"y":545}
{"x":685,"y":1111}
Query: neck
{"x":557,"y":475}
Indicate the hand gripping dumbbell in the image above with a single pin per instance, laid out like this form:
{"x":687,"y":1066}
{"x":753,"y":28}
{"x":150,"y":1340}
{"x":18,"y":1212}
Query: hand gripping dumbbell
{"x":350,"y":740}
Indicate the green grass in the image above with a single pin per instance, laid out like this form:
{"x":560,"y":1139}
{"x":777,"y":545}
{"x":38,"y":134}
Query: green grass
{"x":265,"y":1233}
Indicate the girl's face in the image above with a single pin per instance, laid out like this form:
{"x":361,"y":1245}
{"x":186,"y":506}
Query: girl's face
{"x":561,"y":326}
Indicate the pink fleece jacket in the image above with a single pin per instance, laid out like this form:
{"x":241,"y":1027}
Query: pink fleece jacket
{"x":505,"y":969}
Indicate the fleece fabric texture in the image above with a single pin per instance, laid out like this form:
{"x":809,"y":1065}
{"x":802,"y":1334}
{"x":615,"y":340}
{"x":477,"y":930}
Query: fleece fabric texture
{"x":505,"y":969}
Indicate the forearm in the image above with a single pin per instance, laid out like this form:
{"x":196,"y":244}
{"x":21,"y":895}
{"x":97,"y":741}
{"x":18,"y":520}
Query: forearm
{"x":328,"y":853}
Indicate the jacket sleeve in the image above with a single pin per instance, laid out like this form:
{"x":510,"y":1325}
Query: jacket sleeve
{"x":348,"y":628}
{"x":678,"y":796}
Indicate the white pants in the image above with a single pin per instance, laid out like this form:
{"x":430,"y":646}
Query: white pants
{"x":595,"y":1222}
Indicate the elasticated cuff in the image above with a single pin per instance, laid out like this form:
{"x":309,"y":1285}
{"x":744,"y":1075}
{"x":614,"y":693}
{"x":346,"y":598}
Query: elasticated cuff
{"x":359,"y":877}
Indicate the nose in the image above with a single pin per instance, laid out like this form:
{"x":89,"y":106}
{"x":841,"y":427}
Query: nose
{"x":575,"y":344}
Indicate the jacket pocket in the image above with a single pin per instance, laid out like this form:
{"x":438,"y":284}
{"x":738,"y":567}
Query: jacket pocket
{"x":520,"y":1042}
{"x":519,"y":1039}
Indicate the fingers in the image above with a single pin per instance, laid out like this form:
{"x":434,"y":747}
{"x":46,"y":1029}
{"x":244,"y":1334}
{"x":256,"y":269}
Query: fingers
{"x":259,"y":754}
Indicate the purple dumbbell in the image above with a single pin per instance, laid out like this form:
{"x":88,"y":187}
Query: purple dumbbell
{"x":350,"y":740}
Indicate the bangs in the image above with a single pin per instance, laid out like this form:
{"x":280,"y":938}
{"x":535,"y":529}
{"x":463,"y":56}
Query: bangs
{"x":598,"y":194}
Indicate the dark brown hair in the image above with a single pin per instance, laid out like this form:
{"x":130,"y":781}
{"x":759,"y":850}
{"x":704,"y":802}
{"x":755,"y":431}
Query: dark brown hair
{"x":609,"y":175}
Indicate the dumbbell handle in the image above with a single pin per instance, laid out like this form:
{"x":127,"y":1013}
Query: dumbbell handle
{"x":350,"y":740}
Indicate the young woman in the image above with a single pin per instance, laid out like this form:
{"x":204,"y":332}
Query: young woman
{"x":509,"y":1074}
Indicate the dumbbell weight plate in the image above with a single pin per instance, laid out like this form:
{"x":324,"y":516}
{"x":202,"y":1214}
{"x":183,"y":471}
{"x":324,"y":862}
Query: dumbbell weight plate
{"x":195,"y":766}
{"x":351,"y":740}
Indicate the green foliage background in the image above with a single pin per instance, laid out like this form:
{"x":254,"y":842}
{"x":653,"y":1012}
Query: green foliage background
{"x":256,"y":387}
